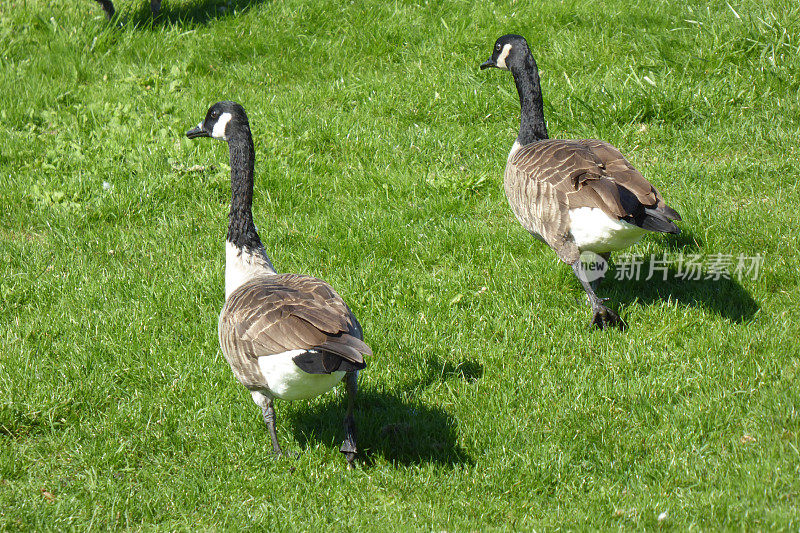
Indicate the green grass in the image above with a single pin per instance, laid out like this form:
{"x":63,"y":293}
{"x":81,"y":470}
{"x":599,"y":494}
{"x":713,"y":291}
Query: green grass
{"x":489,"y":403}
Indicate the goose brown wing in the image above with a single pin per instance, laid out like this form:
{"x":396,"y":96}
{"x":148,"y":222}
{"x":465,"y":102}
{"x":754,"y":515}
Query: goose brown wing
{"x":625,"y":175}
{"x":274,"y":314}
{"x":575,"y":172}
{"x":546,"y":179}
{"x":589,"y":172}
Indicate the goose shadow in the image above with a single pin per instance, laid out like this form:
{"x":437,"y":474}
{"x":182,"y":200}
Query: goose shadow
{"x":436,"y":370}
{"x":400,"y":431}
{"x":137,"y":13}
{"x":686,"y":241}
{"x":725,"y":297}
{"x":683,"y":274}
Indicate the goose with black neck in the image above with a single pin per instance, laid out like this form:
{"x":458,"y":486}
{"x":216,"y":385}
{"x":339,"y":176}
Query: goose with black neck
{"x":575,"y":195}
{"x":285,"y":336}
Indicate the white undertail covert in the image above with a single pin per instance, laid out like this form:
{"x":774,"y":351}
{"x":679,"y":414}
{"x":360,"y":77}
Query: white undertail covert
{"x":287,"y":382}
{"x":595,"y":231}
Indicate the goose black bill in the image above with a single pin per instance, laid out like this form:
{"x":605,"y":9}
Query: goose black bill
{"x":197,"y":131}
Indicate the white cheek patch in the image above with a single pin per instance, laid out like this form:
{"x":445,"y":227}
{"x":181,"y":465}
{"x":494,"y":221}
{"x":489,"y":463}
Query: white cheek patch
{"x":501,"y":61}
{"x":219,"y":128}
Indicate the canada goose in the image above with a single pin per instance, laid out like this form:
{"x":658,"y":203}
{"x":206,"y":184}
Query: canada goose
{"x":108,"y":7}
{"x":285,"y":336}
{"x":575,"y":195}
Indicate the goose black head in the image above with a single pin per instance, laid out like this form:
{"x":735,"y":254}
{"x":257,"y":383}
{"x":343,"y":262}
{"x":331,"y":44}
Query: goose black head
{"x":509,"y":51}
{"x":222,"y":121}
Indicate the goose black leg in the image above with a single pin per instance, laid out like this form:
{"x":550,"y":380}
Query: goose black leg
{"x":108,"y":7}
{"x":269,"y":419}
{"x":349,"y":445}
{"x":602,"y":316}
{"x":155,"y":6}
{"x":596,"y":283}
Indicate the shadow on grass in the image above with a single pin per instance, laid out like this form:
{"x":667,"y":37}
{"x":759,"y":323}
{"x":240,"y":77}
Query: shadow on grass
{"x":387,"y":426}
{"x":686,"y":241}
{"x":19,"y":421}
{"x":198,"y":13}
{"x":725,"y":297}
{"x":690,"y":278}
{"x":469,"y":371}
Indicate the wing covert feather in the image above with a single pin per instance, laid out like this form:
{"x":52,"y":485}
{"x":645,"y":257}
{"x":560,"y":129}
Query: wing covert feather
{"x":278,"y":313}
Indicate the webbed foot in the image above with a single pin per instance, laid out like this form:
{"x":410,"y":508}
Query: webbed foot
{"x":603,"y":317}
{"x":349,"y":450}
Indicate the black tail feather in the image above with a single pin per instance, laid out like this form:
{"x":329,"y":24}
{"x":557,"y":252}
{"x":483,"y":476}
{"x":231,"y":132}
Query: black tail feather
{"x":660,"y":220}
{"x":323,"y":362}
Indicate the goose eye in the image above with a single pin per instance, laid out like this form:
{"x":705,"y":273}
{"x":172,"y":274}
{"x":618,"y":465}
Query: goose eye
{"x":497,"y":47}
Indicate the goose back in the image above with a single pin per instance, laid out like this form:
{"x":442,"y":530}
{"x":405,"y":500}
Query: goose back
{"x":547,"y":179}
{"x":274,"y":314}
